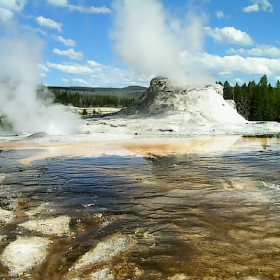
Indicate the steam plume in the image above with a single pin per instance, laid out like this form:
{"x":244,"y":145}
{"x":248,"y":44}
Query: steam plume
{"x":19,"y":79}
{"x":150,"y":40}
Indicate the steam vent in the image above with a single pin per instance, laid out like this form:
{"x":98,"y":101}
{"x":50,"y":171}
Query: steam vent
{"x":202,"y":104}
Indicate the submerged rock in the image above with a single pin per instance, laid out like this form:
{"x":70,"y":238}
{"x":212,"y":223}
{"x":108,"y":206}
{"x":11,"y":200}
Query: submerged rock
{"x":105,"y":250}
{"x":46,"y":207}
{"x":95,"y":262}
{"x":3,"y":237}
{"x":23,"y":254}
{"x":103,"y":274}
{"x":2,"y":178}
{"x":54,"y":226}
{"x":6,"y":216}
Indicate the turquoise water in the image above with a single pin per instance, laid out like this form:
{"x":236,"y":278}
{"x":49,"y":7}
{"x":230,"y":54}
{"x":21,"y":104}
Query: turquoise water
{"x":192,"y":216}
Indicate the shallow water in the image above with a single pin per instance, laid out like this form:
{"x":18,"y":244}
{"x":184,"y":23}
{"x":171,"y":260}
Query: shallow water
{"x":206,"y":216}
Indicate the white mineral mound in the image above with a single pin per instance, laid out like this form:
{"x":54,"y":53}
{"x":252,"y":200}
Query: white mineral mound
{"x":197,"y":105}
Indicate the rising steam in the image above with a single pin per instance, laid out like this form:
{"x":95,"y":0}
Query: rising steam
{"x":150,"y":41}
{"x":19,"y":79}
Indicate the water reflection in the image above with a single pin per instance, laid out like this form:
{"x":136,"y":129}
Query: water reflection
{"x":188,"y":216}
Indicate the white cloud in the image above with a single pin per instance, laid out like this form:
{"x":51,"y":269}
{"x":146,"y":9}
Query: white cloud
{"x":258,"y":5}
{"x":31,"y":29}
{"x":74,"y":69}
{"x":220,"y":14}
{"x":82,"y":9}
{"x":93,"y":63}
{"x":91,"y":10}
{"x":71,"y":53}
{"x":76,"y":81}
{"x":114,"y":76}
{"x":235,"y":64}
{"x":234,"y":51}
{"x":80,"y":81}
{"x":5,"y":14}
{"x":223,"y":66}
{"x":265,"y":5}
{"x":251,"y":8}
{"x":60,"y":3}
{"x":8,"y":8}
{"x":264,"y":51}
{"x":13,"y":5}
{"x":49,"y":23}
{"x":96,"y":74}
{"x":43,"y":68}
{"x":229,"y":35}
{"x":239,"y":81}
{"x":66,"y":42}
{"x":232,"y":67}
{"x":260,"y":51}
{"x":40,"y":31}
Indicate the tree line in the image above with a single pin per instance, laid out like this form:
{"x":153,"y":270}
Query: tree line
{"x":255,"y":101}
{"x":90,"y":100}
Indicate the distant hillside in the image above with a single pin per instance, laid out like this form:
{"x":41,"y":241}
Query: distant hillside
{"x":131,"y":91}
{"x":85,"y":97}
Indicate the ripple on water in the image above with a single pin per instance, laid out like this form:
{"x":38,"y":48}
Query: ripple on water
{"x":172,"y":217}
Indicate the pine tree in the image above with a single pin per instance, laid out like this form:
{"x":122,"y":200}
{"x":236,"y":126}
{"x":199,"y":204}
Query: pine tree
{"x":227,"y":91}
{"x":263,"y":81}
{"x":272,"y":104}
{"x":237,"y":97}
{"x":264,"y":96}
{"x":256,"y":105}
{"x":245,"y":101}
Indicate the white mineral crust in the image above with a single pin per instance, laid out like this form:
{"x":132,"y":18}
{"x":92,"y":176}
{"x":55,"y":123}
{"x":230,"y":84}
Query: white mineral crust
{"x":23,"y":254}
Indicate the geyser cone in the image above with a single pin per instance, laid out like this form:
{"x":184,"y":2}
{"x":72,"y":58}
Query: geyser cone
{"x":202,"y":104}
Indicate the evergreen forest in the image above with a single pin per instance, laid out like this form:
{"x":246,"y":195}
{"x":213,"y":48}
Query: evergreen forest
{"x":255,"y":101}
{"x":90,"y":100}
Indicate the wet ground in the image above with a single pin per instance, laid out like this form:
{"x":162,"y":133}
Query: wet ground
{"x":174,"y":216}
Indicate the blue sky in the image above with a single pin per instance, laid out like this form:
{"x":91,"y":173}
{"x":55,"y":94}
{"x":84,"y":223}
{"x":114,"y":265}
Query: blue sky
{"x":117,"y":43}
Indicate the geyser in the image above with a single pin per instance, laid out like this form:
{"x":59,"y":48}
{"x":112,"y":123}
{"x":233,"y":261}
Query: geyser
{"x":150,"y":40}
{"x":19,"y":79}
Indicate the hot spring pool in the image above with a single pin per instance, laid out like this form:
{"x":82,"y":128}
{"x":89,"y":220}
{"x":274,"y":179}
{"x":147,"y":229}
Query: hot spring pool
{"x":173,"y":216}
